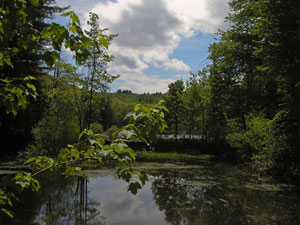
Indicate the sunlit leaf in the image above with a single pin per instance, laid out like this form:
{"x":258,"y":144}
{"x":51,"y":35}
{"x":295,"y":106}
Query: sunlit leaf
{"x":67,"y":13}
{"x":104,"y":42}
{"x":75,"y":18}
{"x":7,"y":212}
{"x":35,"y":2}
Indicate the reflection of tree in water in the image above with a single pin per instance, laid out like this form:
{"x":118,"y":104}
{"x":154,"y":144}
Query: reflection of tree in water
{"x":70,"y":204}
{"x":59,"y":201}
{"x":186,"y":201}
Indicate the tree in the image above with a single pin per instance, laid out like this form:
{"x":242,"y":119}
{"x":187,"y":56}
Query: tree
{"x":21,"y":37}
{"x":23,"y":49}
{"x":98,"y":78}
{"x":255,"y":71}
{"x":174,"y":105}
{"x":90,"y":147}
{"x":58,"y":126}
{"x":22,"y":55}
{"x":196,"y":98}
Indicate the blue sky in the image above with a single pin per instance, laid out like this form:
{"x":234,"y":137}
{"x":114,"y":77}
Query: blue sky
{"x":159,"y":41}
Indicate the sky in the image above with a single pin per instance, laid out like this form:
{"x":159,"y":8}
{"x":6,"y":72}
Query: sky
{"x":159,"y":41}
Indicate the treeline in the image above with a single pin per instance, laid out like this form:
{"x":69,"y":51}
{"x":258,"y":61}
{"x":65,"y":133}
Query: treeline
{"x":249,"y":94}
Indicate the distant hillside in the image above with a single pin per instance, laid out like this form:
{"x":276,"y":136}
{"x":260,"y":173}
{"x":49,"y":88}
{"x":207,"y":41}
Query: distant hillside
{"x":123,"y":103}
{"x":137,"y":98}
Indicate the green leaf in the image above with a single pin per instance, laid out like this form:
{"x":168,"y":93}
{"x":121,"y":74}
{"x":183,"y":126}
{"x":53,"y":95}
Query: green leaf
{"x":5,"y":80}
{"x":7,"y":212}
{"x":35,"y":2}
{"x":104,"y":42}
{"x":7,"y":61}
{"x":69,"y":171}
{"x":75,"y":153}
{"x":67,"y":13}
{"x":73,"y":28}
{"x":133,"y":187}
{"x":30,"y":160}
{"x":106,"y":152}
{"x":75,"y":18}
{"x":93,"y":142}
{"x":29,"y":78}
{"x":33,"y":37}
{"x":137,"y":107}
{"x":22,"y":102}
{"x":125,"y":174}
{"x":35,"y":184}
{"x":25,"y":46}
{"x":142,"y":176}
{"x":99,"y":159}
{"x":31,"y":86}
{"x":115,"y":132}
{"x":128,"y":134}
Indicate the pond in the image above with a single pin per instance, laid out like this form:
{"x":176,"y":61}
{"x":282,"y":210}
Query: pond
{"x":207,"y":194}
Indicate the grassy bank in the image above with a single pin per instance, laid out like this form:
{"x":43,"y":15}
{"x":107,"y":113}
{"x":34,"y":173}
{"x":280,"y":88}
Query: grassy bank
{"x":172,"y":157}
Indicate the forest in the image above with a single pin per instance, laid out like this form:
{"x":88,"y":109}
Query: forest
{"x":242,"y":107}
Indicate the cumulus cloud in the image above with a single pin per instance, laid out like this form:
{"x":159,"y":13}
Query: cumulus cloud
{"x":150,"y":30}
{"x":81,"y":7}
{"x":118,"y":205}
{"x":175,"y":65}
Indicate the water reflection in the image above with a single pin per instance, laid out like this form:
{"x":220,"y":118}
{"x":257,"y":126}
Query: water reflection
{"x":60,"y":201}
{"x":212,"y":194}
{"x":187,"y":200}
{"x":223,"y":195}
{"x":71,"y":205}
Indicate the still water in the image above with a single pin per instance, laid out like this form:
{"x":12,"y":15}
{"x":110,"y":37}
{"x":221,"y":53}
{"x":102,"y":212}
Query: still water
{"x":178,"y":194}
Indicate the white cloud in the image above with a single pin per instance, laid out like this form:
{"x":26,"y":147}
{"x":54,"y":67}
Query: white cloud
{"x":175,"y":65}
{"x":150,"y":30}
{"x":79,"y":6}
{"x":118,"y":206}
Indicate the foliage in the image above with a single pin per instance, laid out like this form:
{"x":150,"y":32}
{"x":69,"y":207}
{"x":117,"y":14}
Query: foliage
{"x":255,"y":143}
{"x":21,"y":50}
{"x":71,"y":160}
{"x":16,"y":89}
{"x":15,"y":92}
{"x":196,"y":100}
{"x":98,"y":78}
{"x":110,"y":131}
{"x":254,"y":71}
{"x":15,"y":41}
{"x":96,"y":128}
{"x":286,"y":144}
{"x":58,"y":127}
{"x":175,"y":105}
{"x":145,"y":123}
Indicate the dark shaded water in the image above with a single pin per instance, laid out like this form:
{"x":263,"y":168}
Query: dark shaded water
{"x":210,"y":194}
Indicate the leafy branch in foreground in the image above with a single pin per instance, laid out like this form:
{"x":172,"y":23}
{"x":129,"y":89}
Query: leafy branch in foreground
{"x":91,"y":148}
{"x":145,"y":123}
